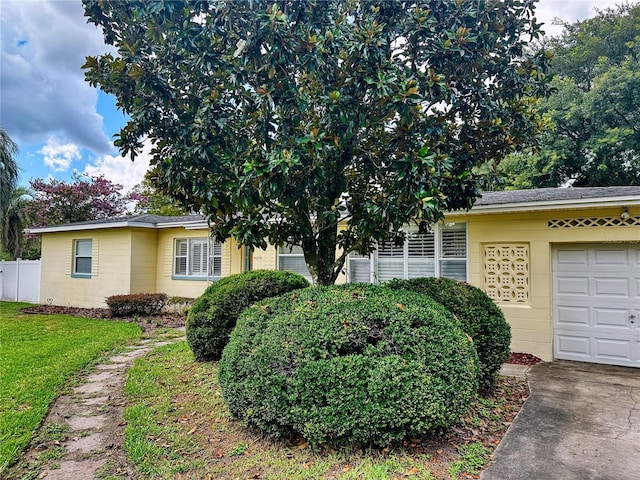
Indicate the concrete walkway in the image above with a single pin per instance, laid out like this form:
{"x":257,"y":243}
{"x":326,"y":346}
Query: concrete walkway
{"x":93,"y":414}
{"x":582,"y":422}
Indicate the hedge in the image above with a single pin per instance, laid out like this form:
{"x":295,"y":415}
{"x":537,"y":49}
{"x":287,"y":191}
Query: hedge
{"x":136,"y":304}
{"x":481,"y":319}
{"x":213,"y":315}
{"x":351,"y":364}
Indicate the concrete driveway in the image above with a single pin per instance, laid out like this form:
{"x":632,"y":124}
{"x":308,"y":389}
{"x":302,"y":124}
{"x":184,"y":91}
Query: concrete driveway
{"x":582,"y":422}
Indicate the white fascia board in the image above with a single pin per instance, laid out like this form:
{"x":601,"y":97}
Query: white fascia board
{"x":194,"y":225}
{"x":555,"y":205}
{"x":89,"y":226}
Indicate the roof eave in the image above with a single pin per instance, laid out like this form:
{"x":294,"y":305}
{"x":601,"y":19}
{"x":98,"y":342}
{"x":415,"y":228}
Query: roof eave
{"x":557,"y":205}
{"x":192,"y":225}
{"x":89,"y":226}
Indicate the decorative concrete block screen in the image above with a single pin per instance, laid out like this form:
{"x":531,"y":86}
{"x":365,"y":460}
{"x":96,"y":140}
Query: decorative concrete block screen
{"x":506,"y":272}
{"x":595,"y":222}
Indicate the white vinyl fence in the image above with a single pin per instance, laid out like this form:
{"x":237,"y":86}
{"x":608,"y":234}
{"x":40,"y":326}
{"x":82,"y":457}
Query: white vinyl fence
{"x":20,"y":281}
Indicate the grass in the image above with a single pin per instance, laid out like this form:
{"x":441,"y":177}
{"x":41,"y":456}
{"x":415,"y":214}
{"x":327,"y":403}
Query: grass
{"x":178,"y":427}
{"x":472,"y":457}
{"x":39,"y":354}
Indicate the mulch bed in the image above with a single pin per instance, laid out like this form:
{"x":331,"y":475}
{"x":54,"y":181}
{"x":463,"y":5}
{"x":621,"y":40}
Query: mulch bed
{"x":148,"y":323}
{"x":519,"y":358}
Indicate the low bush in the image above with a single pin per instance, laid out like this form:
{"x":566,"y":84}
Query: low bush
{"x":136,"y":304}
{"x":355,"y":364}
{"x":179,"y":305}
{"x":212,"y":317}
{"x":481,"y":319}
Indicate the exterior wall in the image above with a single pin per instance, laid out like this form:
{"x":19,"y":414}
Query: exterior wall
{"x":265,"y":259}
{"x":144,"y":253}
{"x":233,"y":258}
{"x":532,"y":321}
{"x":110,"y":268}
{"x":124,"y":261}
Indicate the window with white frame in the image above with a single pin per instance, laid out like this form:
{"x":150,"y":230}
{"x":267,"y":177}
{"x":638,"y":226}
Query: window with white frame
{"x":441,"y":252}
{"x":82,"y":257}
{"x":198,"y":258}
{"x":291,"y":258}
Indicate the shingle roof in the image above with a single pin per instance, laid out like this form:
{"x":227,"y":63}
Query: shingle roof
{"x":556,"y":194}
{"x":142,"y":218}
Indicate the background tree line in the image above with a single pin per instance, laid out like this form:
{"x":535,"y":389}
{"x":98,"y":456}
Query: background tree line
{"x":593,"y":113}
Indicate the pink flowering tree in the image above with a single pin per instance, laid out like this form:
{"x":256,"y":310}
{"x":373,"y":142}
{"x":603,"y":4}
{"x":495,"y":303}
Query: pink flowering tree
{"x":85,"y":198}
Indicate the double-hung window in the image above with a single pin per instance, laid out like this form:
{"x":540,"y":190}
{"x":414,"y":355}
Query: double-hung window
{"x":82,"y":257}
{"x":197,"y":258}
{"x":291,"y":258}
{"x":441,"y":252}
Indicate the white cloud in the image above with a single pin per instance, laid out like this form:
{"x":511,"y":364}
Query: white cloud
{"x":59,"y":156}
{"x":568,"y":11}
{"x":43,"y":45}
{"x":121,"y":170}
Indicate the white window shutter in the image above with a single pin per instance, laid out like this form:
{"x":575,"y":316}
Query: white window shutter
{"x":359,"y":268}
{"x":421,"y":255}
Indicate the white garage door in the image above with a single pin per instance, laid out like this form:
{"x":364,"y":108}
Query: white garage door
{"x":596,"y":303}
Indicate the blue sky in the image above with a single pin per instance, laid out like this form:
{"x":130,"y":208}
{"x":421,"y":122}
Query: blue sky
{"x":61,"y":124}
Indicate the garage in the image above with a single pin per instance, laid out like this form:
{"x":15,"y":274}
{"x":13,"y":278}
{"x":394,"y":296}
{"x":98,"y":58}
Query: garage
{"x":596,"y":303}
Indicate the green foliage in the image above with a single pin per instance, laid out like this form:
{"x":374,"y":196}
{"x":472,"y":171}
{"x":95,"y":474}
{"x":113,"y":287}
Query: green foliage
{"x":152,"y":201}
{"x":136,"y":304}
{"x":350,"y":364}
{"x":13,"y":199}
{"x":9,"y":169}
{"x":593,"y":114}
{"x":213,"y":316}
{"x":38,"y":354}
{"x":481,"y":319}
{"x":299,"y":111}
{"x":84,"y":198}
{"x":14,"y":218}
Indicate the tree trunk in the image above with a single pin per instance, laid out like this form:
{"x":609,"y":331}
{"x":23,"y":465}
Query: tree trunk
{"x":321,"y":256}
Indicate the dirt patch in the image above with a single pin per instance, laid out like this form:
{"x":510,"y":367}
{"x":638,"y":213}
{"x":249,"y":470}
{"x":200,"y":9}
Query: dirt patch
{"x":148,"y":323}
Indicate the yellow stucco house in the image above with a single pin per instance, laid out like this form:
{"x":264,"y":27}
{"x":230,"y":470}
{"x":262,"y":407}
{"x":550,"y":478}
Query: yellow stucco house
{"x":562,"y":263}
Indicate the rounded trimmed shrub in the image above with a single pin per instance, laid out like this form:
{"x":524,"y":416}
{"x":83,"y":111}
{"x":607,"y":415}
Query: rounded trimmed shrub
{"x":213,"y":315}
{"x":481,"y":319}
{"x":348,"y":364}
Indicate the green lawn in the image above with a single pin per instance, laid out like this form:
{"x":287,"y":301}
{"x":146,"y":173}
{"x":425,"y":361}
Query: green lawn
{"x":38,"y":354}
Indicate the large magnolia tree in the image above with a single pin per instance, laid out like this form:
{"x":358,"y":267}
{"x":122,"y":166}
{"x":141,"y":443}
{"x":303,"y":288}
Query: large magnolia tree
{"x":280,"y":120}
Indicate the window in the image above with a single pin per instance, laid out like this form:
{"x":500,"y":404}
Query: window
{"x":291,"y":258}
{"x":441,"y":252}
{"x":82,"y":255}
{"x":197,"y":258}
